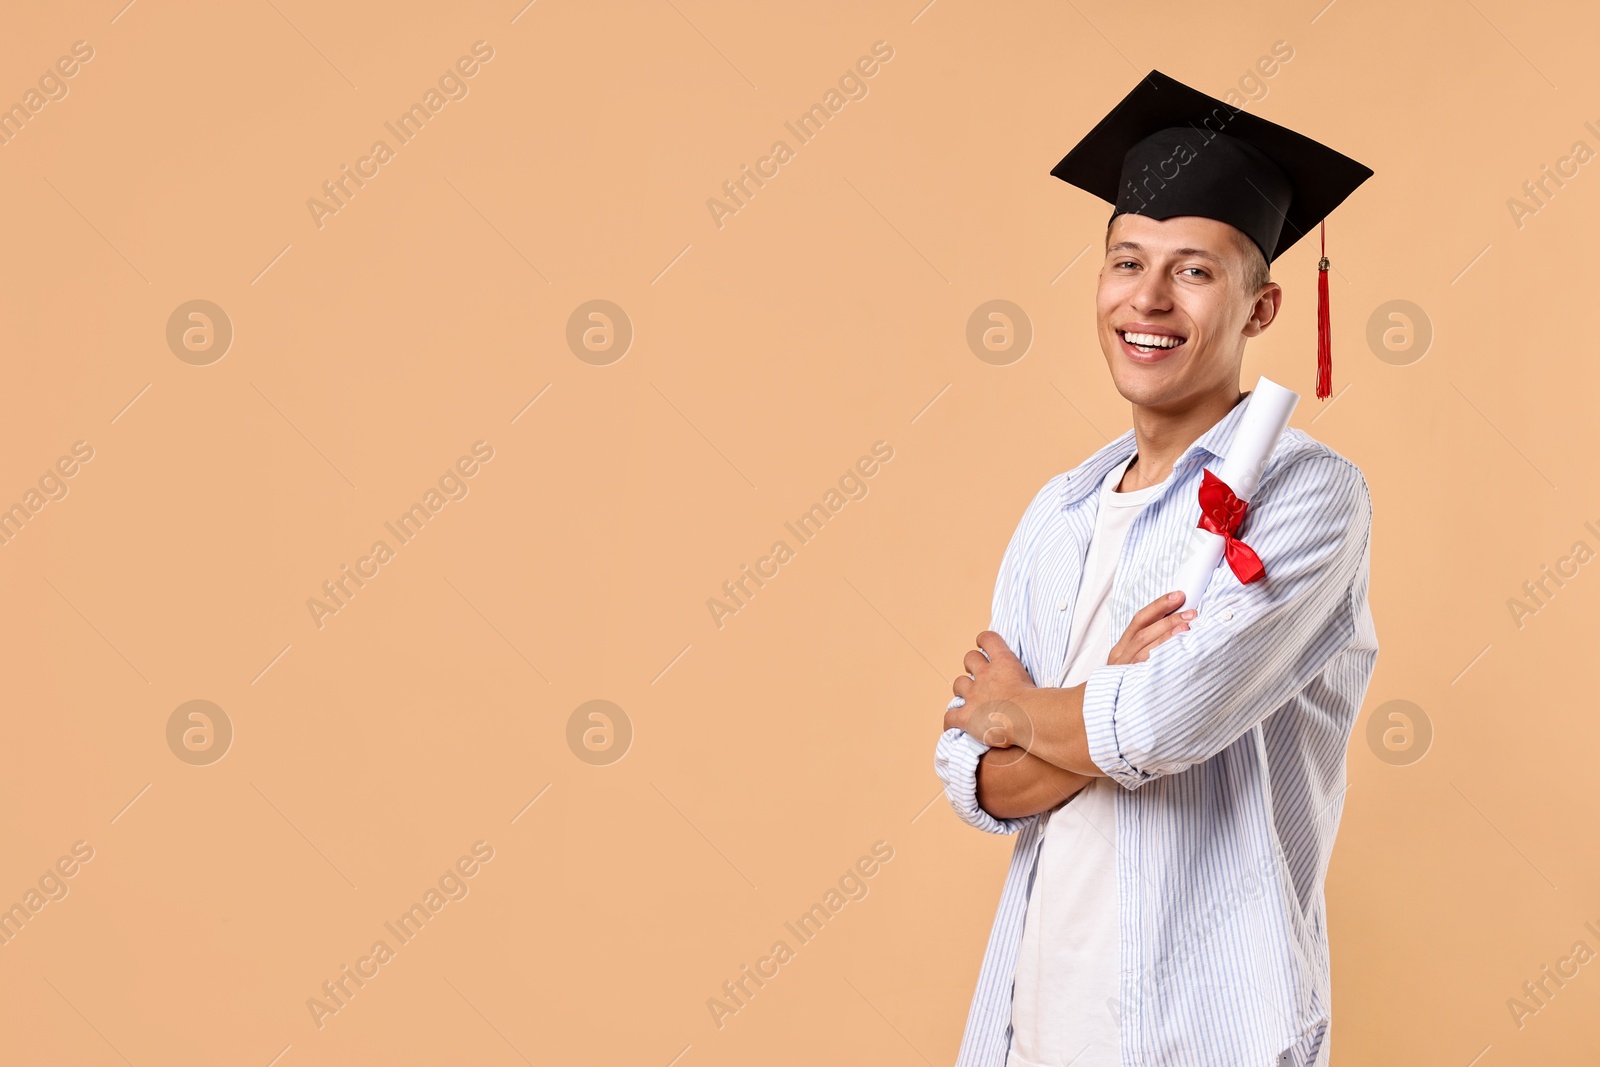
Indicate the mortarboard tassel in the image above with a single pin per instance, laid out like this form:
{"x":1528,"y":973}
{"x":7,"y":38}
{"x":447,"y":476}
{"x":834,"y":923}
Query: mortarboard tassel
{"x":1324,"y":338}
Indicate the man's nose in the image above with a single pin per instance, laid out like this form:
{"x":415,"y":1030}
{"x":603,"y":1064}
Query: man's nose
{"x":1153,"y":293}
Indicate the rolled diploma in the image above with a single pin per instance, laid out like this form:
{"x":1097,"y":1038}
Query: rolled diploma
{"x":1270,"y":406}
{"x":1263,"y":422}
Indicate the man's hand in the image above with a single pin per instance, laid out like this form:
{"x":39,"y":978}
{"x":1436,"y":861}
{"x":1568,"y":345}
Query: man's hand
{"x":1149,"y":627}
{"x":994,"y":683}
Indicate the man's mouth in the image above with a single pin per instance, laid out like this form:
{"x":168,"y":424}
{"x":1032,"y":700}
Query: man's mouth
{"x":1147,"y":343}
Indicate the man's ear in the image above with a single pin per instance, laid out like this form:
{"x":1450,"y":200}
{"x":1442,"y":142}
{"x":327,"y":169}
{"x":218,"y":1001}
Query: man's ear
{"x":1265,"y":309}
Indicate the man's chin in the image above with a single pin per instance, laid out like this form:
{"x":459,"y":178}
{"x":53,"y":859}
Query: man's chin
{"x":1145,"y":386}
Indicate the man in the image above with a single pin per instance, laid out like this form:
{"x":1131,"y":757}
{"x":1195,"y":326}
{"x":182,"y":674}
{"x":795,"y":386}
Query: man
{"x":1174,"y":778}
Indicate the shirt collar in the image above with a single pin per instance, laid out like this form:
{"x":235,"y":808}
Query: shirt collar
{"x":1214,"y":443}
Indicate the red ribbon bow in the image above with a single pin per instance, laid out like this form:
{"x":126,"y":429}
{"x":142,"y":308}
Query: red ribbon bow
{"x":1222,"y":512}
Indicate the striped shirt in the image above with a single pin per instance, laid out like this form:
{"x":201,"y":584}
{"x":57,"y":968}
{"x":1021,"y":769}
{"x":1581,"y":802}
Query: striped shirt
{"x":1229,"y":745}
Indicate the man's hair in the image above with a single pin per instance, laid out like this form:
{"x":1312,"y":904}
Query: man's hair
{"x":1256,"y":271}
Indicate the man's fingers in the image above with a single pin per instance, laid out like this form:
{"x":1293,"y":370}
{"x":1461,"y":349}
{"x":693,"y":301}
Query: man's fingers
{"x":1161,"y":632}
{"x":1162,"y":605}
{"x":1152,"y":624}
{"x":974,"y":660}
{"x":1162,"y":629}
{"x":994,"y":645}
{"x":1157,"y":618}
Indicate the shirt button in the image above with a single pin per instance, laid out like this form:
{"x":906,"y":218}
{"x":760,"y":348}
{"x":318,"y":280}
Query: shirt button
{"x":1062,"y":605}
{"x":1224,"y":615}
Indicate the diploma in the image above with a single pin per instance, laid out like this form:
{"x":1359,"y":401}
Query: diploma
{"x":1263,"y":422}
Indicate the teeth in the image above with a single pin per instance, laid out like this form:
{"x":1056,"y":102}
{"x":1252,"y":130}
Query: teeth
{"x":1150,"y":340}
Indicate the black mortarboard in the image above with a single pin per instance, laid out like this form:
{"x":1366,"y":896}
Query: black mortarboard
{"x":1169,"y":150}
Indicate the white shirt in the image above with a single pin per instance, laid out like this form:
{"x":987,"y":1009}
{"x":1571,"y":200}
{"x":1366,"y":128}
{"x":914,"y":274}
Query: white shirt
{"x":1228,"y":741}
{"x":1064,"y":1008}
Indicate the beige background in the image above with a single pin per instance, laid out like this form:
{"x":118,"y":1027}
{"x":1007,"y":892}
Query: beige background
{"x":768,"y":354}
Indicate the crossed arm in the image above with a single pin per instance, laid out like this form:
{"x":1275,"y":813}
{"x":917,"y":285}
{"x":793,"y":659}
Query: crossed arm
{"x":1039,"y":748}
{"x":1013,"y":784}
{"x":1013,"y":751}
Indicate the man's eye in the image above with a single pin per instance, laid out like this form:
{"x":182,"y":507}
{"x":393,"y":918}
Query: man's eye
{"x":1127,"y":263}
{"x":1201,"y":270}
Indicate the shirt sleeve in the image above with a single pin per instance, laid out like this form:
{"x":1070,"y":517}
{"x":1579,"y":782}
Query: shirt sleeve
{"x":957,"y":754}
{"x":955,"y":760}
{"x":1253,"y":647}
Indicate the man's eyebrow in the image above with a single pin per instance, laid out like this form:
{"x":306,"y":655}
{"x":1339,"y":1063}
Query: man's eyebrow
{"x":1134,"y":246}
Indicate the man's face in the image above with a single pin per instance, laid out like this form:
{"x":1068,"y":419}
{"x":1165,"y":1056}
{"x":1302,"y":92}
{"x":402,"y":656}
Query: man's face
{"x":1179,"y":285}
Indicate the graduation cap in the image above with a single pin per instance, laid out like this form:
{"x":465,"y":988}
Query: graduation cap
{"x":1169,"y":150}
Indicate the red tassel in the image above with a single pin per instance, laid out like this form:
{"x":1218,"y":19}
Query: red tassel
{"x":1324,"y":332}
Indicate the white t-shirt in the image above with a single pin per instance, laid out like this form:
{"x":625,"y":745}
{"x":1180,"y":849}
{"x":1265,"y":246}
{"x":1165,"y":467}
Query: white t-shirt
{"x":1064,"y":1003}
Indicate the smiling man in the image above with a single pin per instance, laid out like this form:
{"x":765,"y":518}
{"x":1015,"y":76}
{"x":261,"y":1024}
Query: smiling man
{"x":1174,"y":779}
